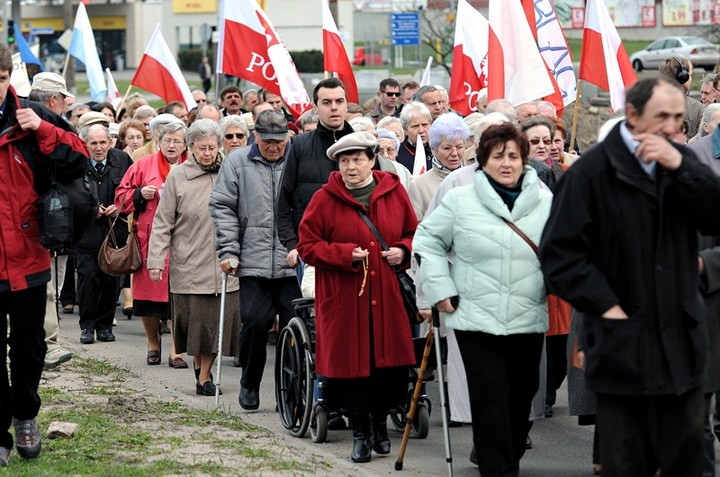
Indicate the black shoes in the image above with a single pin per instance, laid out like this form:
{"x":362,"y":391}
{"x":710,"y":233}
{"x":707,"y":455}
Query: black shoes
{"x":381,"y":440}
{"x":104,"y":336}
{"x":206,"y":389}
{"x":249,"y":398}
{"x":362,"y":444}
{"x":336,"y":422}
{"x":87,"y":336}
{"x":548,"y":410}
{"x":528,"y":443}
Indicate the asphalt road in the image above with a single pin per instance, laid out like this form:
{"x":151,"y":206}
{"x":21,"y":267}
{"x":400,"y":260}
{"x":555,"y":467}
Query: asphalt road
{"x":561,"y":447}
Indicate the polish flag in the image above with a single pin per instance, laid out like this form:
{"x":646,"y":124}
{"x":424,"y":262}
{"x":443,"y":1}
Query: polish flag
{"x":159,"y":73}
{"x":250,"y":48}
{"x":420,"y":158}
{"x":516,"y":70}
{"x":470,"y":55}
{"x":112,"y":90}
{"x":552,"y":44}
{"x":603,"y":60}
{"x":335,"y":56}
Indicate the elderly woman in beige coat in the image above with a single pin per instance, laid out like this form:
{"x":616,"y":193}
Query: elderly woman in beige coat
{"x":182,"y":224}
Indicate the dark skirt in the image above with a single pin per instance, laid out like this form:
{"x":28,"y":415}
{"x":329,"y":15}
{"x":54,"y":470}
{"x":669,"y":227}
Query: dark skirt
{"x":196,"y":323}
{"x":155,"y":309}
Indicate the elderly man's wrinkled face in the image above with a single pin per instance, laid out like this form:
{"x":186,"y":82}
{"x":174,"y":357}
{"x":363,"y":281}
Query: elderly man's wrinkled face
{"x":98,"y":144}
{"x":232,"y":102}
{"x":663,"y":113}
{"x":271,"y":149}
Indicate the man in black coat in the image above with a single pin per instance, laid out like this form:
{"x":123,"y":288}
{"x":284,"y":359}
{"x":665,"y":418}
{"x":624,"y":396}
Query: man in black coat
{"x":621,"y":246}
{"x":98,"y":291}
{"x":307,"y":167}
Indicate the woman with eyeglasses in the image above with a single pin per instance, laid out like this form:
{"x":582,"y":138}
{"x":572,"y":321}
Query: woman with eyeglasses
{"x":234,"y":133}
{"x":363,"y":342}
{"x":446,"y":136}
{"x":139,"y":192}
{"x":540,"y":132}
{"x":182,"y":227}
{"x":494,"y":294}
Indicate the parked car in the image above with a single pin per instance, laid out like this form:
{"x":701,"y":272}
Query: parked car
{"x":699,"y":51}
{"x":363,"y":57}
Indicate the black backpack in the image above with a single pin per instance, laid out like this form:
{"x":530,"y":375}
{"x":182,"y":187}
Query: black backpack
{"x":65,"y":211}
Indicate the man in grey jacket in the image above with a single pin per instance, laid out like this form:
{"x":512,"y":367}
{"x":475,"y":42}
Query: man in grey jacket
{"x":242,"y":208}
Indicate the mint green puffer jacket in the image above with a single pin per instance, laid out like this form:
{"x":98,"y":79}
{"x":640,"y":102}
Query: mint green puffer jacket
{"x":495,"y":272}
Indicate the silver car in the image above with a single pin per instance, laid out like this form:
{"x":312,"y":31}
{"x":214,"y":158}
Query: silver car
{"x":699,"y":51}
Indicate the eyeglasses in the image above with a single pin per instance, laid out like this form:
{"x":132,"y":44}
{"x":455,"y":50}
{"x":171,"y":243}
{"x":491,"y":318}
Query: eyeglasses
{"x":449,"y":149}
{"x":204,"y":149}
{"x":536,"y":141}
{"x":387,"y":150}
{"x":392,"y":93}
{"x":201,"y":101}
{"x":168,"y":141}
{"x":230,"y":136}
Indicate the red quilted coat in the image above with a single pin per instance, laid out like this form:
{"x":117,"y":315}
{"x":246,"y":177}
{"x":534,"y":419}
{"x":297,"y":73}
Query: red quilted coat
{"x":352,"y":330}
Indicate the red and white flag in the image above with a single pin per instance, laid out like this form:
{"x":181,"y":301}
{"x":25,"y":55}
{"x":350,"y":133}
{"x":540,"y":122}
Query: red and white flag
{"x":250,"y":48}
{"x":470,"y":55}
{"x":159,"y":73}
{"x":335,"y":56}
{"x":516,"y":71}
{"x":420,"y":163}
{"x":552,"y":44}
{"x":603,"y":60}
{"x":112,"y":91}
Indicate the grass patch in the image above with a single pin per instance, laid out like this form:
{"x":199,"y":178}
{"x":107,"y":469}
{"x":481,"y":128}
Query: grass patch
{"x":121,"y":433}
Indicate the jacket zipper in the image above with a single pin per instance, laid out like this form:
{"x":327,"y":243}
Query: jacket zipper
{"x":273,"y":251}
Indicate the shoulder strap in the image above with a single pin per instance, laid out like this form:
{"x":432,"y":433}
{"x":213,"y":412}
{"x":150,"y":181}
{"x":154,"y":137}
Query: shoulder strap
{"x":372,"y":228}
{"x":523,"y":236}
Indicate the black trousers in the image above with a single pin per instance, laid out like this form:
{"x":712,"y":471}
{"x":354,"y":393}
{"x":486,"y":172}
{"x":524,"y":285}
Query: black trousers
{"x":641,"y":434}
{"x":97,"y":293}
{"x":260,"y":300}
{"x":556,"y":352}
{"x":503,"y":376}
{"x":26,"y":312}
{"x":68,"y":294}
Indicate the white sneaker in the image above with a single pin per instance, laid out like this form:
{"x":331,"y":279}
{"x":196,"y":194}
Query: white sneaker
{"x":114,"y":321}
{"x":55,"y":357}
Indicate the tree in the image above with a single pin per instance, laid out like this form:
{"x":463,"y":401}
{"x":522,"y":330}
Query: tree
{"x":437,"y":31}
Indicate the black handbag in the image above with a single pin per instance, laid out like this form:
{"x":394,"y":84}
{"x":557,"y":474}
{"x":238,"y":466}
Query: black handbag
{"x":407,"y":285}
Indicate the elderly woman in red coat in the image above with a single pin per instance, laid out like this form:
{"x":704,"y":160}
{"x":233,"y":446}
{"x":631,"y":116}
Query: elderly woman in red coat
{"x":139,"y":192}
{"x":364,"y":344}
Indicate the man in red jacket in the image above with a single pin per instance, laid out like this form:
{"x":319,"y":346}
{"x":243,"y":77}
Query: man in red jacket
{"x":29,"y":146}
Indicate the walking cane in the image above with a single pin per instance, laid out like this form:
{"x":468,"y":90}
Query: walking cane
{"x":233,"y":264}
{"x":444,"y":409}
{"x":416,"y":396}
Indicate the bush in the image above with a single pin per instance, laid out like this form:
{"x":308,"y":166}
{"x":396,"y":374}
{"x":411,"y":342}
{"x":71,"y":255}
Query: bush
{"x":190,"y":59}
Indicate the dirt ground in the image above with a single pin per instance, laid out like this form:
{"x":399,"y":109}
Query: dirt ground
{"x":590,"y":118}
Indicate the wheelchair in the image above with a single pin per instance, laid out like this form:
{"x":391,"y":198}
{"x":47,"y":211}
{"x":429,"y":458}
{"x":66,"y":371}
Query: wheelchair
{"x":300,"y":392}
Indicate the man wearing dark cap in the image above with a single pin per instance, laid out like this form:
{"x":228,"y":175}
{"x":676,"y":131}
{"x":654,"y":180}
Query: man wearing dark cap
{"x":242,"y":206}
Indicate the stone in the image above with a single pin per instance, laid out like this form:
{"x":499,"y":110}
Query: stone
{"x":64,"y":430}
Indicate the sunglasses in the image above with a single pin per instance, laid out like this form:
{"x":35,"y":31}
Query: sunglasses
{"x":391,"y":93}
{"x":230,"y":136}
{"x":536,"y":141}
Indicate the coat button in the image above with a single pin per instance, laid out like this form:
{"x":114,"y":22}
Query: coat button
{"x":372,"y":244}
{"x":374,"y":302}
{"x":372,"y":274}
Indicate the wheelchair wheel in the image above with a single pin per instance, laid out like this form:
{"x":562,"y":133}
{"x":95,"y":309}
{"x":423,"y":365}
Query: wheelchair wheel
{"x":319,"y":424}
{"x":294,"y":378}
{"x":421,"y":422}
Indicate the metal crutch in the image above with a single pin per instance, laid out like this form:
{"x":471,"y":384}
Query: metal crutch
{"x":233,"y":264}
{"x":416,"y":396}
{"x":444,"y":409}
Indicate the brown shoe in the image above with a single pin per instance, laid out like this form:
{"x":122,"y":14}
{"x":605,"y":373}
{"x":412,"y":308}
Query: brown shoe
{"x":153,"y":357}
{"x":177,"y":363}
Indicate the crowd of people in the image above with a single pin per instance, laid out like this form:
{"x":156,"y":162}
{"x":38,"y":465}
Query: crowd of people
{"x":542,"y":264}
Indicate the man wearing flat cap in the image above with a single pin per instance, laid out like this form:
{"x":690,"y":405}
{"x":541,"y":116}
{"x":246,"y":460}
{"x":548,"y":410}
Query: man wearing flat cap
{"x":50,"y":90}
{"x":242,"y":206}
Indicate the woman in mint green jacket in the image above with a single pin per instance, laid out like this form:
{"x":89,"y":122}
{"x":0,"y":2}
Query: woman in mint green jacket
{"x":501,"y":315}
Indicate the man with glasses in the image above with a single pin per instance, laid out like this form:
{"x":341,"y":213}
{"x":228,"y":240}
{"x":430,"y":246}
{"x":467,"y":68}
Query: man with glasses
{"x":199,"y":96}
{"x":242,"y":208}
{"x":389,"y":94}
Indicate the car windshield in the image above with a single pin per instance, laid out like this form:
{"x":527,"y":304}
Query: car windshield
{"x":694,"y":40}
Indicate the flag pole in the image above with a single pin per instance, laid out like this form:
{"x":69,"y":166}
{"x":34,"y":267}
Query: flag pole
{"x":122,"y":103}
{"x":65,"y":66}
{"x":576,"y":110}
{"x":327,"y":75}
